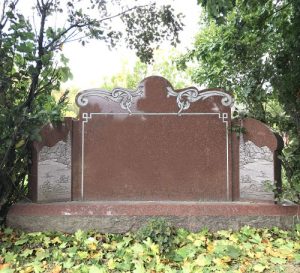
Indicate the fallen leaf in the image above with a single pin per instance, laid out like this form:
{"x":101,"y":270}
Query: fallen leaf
{"x":203,"y":260}
{"x":56,"y":240}
{"x":3,"y":266}
{"x":56,"y":269}
{"x":28,"y":269}
{"x":259,"y":268}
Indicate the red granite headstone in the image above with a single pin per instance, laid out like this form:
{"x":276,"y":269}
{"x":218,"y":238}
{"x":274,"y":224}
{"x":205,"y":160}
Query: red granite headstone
{"x":153,"y":144}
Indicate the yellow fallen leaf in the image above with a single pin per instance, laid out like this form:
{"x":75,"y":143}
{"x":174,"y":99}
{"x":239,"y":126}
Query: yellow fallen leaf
{"x":111,"y":264}
{"x":28,"y":269}
{"x":56,"y":240}
{"x":271,"y":252}
{"x":210,"y":247}
{"x":243,"y":268}
{"x":226,"y":259}
{"x":96,"y":255}
{"x":233,"y":238}
{"x":258,"y":255}
{"x":3,"y":266}
{"x":220,"y":262}
{"x":290,"y":257}
{"x":92,"y":246}
{"x":56,"y":269}
{"x":237,"y":271}
{"x":246,"y":262}
{"x":284,"y":252}
{"x":154,"y":248}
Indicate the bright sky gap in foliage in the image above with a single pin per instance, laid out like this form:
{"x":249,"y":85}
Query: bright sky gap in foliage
{"x":91,"y":63}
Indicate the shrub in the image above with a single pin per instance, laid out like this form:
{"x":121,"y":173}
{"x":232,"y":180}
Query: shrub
{"x":160,"y":232}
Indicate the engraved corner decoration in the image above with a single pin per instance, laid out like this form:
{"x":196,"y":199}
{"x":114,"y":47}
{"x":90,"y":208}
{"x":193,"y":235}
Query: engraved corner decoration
{"x":224,"y":117}
{"x":86,"y":117}
{"x":120,"y":95}
{"x":192,"y":94}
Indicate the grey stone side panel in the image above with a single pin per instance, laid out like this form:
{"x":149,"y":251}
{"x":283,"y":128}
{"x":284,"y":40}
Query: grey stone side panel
{"x":256,"y":171}
{"x":54,"y":172}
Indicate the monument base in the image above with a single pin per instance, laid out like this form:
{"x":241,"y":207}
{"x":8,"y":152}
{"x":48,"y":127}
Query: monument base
{"x":124,"y":216}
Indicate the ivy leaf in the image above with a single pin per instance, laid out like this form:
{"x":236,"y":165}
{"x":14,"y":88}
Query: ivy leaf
{"x":27,"y":252}
{"x":277,"y":260}
{"x":20,"y":143}
{"x":37,"y":267}
{"x":139,"y":267}
{"x":68,"y":264}
{"x":21,"y":242}
{"x":82,"y":254}
{"x":9,"y":257}
{"x":259,"y":268}
{"x":297,"y":258}
{"x":41,"y":254}
{"x":186,"y":251}
{"x":255,"y":239}
{"x":233,"y":252}
{"x":79,"y":235}
{"x":202,"y":260}
{"x":8,"y":231}
{"x":96,"y":269}
{"x":63,"y":245}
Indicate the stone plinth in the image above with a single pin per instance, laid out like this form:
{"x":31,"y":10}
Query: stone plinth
{"x":122,"y":216}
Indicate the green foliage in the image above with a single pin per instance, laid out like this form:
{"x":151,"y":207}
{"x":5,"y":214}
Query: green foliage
{"x":247,"y":250}
{"x":252,"y":48}
{"x":26,"y":83}
{"x":148,"y":34}
{"x":159,"y":232}
{"x":163,"y":64}
{"x":126,"y":78}
{"x":32,"y":67}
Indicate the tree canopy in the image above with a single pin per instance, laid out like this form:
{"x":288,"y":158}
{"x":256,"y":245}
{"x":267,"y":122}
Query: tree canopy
{"x":253,"y":49}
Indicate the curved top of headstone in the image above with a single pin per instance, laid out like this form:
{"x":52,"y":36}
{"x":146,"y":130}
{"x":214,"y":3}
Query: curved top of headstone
{"x":154,"y":95}
{"x":261,"y":134}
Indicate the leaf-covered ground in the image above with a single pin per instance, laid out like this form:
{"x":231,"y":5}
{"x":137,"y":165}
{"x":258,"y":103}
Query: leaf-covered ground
{"x":249,"y":250}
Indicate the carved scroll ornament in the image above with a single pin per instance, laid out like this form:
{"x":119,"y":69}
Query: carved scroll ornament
{"x":192,"y":94}
{"x":120,"y":95}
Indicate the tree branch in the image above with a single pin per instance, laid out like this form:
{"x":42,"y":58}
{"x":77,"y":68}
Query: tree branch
{"x":278,"y":10}
{"x":121,"y":13}
{"x":89,"y":23}
{"x":43,"y":9}
{"x":63,"y":33}
{"x":4,"y":19}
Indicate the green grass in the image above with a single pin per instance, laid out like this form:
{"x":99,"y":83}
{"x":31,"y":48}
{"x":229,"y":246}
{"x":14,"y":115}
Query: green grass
{"x":247,"y":250}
